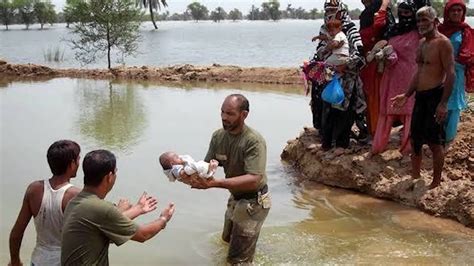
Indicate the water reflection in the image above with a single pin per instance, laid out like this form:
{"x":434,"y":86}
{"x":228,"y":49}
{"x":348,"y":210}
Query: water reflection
{"x":256,"y":87}
{"x":345,"y":227}
{"x":111,"y":114}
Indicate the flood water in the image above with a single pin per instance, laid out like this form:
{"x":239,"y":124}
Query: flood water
{"x":244,"y":43}
{"x":285,"y":43}
{"x":308,"y":223}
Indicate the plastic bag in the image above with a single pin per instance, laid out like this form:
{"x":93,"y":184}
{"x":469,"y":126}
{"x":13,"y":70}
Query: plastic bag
{"x":333,"y":92}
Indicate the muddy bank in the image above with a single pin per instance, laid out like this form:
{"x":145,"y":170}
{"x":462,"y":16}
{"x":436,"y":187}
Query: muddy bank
{"x":179,"y":73}
{"x":387,"y":175}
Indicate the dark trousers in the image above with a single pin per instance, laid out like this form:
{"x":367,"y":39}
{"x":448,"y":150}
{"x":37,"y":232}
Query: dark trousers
{"x":335,"y":125}
{"x":316,"y":105}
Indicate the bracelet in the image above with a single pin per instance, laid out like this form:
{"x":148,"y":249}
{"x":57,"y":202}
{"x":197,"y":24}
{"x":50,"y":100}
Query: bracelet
{"x":164,"y":220}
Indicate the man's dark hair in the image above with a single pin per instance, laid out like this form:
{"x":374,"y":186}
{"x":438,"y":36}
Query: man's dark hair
{"x":96,"y":165}
{"x":243,"y":102}
{"x":60,"y":155}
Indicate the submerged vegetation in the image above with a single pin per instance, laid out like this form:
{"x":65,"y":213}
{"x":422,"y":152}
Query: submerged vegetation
{"x":53,"y":54}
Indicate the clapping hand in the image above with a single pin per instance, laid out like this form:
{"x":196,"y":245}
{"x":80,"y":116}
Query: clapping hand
{"x":168,"y":212}
{"x":123,"y":205}
{"x":146,"y":203}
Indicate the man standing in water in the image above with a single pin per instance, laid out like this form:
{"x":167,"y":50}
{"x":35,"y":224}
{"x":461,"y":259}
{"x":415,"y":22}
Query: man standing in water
{"x":242,"y":152}
{"x":45,"y":201}
{"x":91,"y":223}
{"x":433,"y":83}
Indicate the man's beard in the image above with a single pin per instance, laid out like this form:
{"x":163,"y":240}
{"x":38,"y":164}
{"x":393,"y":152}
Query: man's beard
{"x":428,"y":30}
{"x":229,"y":127}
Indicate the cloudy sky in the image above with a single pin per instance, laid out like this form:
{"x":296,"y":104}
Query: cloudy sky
{"x":179,"y":6}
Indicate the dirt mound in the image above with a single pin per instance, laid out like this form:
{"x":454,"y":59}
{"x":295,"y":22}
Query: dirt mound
{"x":179,"y":73}
{"x":28,"y":70}
{"x":387,"y":175}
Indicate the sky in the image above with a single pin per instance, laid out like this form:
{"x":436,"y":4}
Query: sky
{"x":179,"y":6}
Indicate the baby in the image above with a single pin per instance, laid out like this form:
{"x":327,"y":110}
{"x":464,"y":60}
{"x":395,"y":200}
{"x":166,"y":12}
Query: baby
{"x":174,"y":166}
{"x":337,"y":43}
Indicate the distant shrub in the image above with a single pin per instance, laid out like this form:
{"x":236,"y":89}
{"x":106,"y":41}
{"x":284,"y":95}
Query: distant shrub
{"x":53,"y":54}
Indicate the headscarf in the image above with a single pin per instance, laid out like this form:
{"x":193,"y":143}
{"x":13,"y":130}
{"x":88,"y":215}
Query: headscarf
{"x":336,"y":9}
{"x":466,"y":51}
{"x":448,"y":27}
{"x":366,"y":18}
{"x":421,"y":3}
{"x":405,"y":23}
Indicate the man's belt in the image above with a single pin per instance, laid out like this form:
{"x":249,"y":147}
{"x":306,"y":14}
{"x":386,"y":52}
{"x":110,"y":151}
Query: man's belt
{"x":251,"y":195}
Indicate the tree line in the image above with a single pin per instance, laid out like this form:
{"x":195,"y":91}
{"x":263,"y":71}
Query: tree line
{"x":270,"y":10}
{"x":43,"y":12}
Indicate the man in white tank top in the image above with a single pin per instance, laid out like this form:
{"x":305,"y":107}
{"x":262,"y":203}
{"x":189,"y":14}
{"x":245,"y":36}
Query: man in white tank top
{"x":45,"y":200}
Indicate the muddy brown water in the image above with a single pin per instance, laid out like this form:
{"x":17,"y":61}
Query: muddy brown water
{"x":308,"y":223}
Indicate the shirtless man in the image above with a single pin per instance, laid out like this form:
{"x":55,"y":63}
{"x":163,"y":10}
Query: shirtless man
{"x":45,"y":201}
{"x":433,"y":84}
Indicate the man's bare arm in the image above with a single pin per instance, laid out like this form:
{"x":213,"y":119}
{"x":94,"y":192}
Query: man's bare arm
{"x":145,"y":232}
{"x":447,"y":62}
{"x":69,"y":195}
{"x":244,"y":183}
{"x":144,"y":205}
{"x":16,"y":235}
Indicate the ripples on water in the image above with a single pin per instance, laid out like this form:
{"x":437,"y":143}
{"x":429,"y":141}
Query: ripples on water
{"x":308,"y":224}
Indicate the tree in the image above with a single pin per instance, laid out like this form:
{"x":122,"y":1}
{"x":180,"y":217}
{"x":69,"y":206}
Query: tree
{"x":218,"y":14}
{"x":271,"y":9}
{"x":254,"y":14}
{"x":289,"y":12}
{"x":111,"y":115}
{"x":105,"y":25}
{"x":315,"y":14}
{"x":69,"y":11}
{"x":198,"y":11}
{"x":152,"y":4}
{"x":355,"y":13}
{"x":7,"y":12}
{"x":44,"y":12}
{"x":438,"y":5}
{"x":26,"y":11}
{"x":235,"y":14}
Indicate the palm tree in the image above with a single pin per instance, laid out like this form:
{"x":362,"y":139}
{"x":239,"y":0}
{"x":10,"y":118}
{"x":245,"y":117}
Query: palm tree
{"x":152,"y":4}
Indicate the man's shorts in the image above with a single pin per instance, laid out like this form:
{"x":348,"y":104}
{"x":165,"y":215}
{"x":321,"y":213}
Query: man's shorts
{"x":424,"y":128}
{"x":243,"y":220}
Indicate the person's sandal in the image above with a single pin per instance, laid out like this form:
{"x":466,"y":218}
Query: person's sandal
{"x":387,"y":50}
{"x":377,"y":47}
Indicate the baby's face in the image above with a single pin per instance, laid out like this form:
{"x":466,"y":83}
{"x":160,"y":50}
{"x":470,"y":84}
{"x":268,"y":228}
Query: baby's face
{"x":174,"y":158}
{"x":334,"y":31}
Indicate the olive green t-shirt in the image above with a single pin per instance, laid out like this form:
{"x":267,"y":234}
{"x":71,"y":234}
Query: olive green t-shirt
{"x":90,"y":224}
{"x":245,"y":153}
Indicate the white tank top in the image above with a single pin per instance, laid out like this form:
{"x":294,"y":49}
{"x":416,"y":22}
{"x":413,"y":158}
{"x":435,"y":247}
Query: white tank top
{"x":48,"y":224}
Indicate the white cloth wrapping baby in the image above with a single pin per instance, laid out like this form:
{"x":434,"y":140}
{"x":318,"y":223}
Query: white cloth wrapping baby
{"x":190,"y":167}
